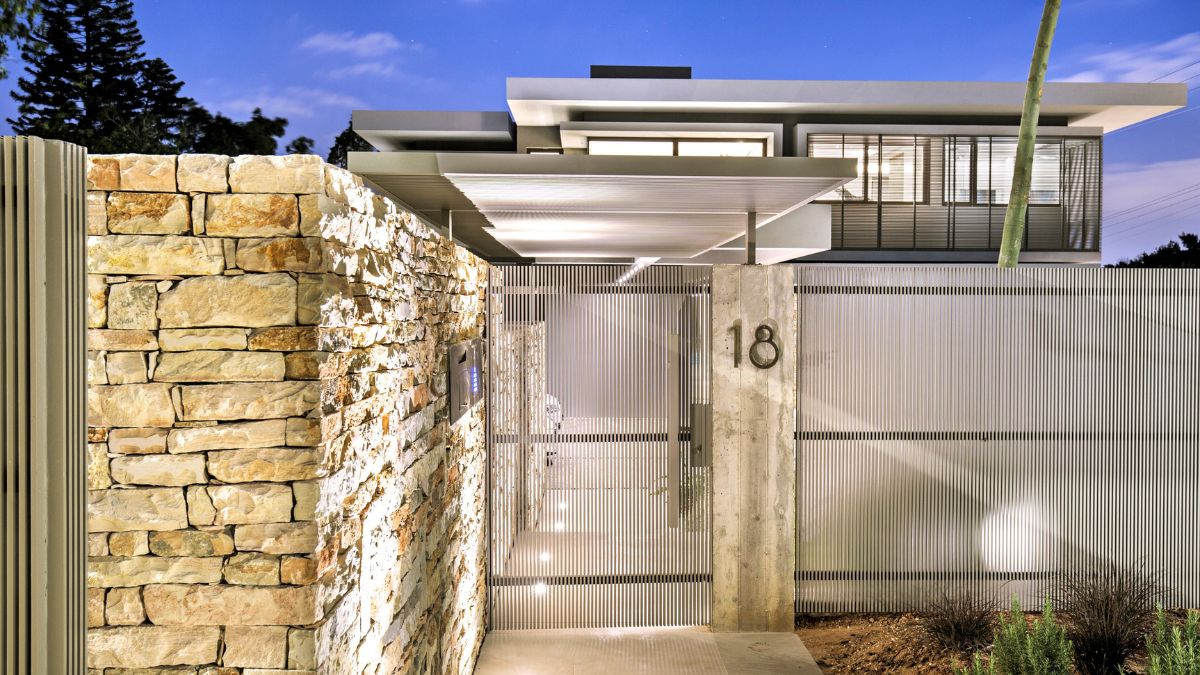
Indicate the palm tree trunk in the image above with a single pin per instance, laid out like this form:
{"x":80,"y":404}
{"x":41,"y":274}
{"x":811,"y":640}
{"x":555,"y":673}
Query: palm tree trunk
{"x":1018,"y":199}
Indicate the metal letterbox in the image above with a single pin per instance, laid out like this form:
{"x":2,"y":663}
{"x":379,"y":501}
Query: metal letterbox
{"x":465,"y":377}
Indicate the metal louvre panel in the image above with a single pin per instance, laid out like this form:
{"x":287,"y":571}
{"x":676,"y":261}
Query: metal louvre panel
{"x":599,"y":514}
{"x":42,"y":407}
{"x":993,"y":428}
{"x":943,"y":192}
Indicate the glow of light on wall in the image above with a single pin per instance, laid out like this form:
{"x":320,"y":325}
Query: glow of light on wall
{"x":558,"y":525}
{"x":539,"y":588}
{"x":1008,"y":538}
{"x":544,"y":556}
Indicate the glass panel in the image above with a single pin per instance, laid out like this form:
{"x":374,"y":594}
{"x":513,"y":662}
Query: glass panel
{"x":852,"y":147}
{"x":656,"y":148}
{"x":956,"y":173}
{"x":902,"y":170}
{"x":730,"y":148}
{"x":995,"y":164}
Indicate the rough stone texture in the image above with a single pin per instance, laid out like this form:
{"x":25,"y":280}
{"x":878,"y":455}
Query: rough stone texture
{"x":128,"y":544}
{"x":250,"y":300}
{"x":224,"y":366}
{"x":132,"y":305}
{"x":123,"y":607}
{"x":191,"y":605}
{"x":288,"y":173}
{"x":137,"y":441}
{"x":148,"y":213}
{"x":256,"y":646}
{"x":258,"y":215}
{"x":264,"y":400}
{"x":147,"y":173}
{"x":141,"y":509}
{"x":251,"y":503}
{"x":277,"y":538}
{"x":252,"y":569}
{"x":262,"y":434}
{"x":274,"y":255}
{"x":189,"y":339}
{"x":141,"y":254}
{"x":130,"y":405}
{"x":125,"y":368}
{"x":150,"y":646}
{"x":203,"y":173}
{"x":264,"y":464}
{"x":276,"y":336}
{"x":121,"y":340}
{"x":139,"y":571}
{"x":195,"y":543}
{"x":158,"y":469}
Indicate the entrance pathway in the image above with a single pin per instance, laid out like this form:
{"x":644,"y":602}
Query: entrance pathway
{"x":643,"y":651}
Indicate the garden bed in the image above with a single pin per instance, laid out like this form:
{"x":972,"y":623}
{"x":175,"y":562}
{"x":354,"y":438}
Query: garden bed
{"x":884,"y":643}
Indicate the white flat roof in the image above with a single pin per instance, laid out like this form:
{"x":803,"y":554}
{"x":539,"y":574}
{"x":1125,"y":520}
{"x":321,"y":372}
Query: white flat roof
{"x":541,"y":101}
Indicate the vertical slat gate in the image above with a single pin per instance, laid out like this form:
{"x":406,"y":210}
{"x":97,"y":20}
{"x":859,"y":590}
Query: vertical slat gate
{"x":993,"y":428}
{"x":599,"y":506}
{"x":43,"y":404}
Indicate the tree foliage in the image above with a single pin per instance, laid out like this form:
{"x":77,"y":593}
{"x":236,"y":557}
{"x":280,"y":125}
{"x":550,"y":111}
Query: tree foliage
{"x":90,"y":82}
{"x":17,"y":19}
{"x":347,"y":141}
{"x":1182,"y":253}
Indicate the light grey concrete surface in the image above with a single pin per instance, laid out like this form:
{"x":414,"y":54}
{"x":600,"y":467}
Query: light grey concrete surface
{"x":754,"y":470}
{"x":643,"y":651}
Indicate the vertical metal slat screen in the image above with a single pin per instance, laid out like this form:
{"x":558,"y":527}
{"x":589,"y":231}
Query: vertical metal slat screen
{"x":42,"y":404}
{"x":599,"y":512}
{"x":994,"y":428}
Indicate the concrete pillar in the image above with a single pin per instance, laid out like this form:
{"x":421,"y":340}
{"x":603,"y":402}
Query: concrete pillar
{"x":754,"y":465}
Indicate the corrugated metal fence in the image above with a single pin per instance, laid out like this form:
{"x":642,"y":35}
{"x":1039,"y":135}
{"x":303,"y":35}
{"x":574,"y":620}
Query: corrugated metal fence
{"x":995,"y":428}
{"x":42,"y":407}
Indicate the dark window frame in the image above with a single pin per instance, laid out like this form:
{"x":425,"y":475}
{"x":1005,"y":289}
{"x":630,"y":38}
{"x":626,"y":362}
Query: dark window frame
{"x":975,"y":159}
{"x":922,"y":143}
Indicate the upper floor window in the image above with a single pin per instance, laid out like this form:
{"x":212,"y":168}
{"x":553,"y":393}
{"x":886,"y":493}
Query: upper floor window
{"x":893,"y":169}
{"x":680,"y":147}
{"x":979,"y":171}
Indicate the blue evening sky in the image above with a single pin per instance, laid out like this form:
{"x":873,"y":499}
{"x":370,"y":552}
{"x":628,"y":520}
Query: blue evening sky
{"x":313,"y":61}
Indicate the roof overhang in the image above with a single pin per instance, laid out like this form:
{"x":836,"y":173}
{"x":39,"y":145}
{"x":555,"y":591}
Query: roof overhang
{"x":587,"y":206}
{"x":552,"y":101}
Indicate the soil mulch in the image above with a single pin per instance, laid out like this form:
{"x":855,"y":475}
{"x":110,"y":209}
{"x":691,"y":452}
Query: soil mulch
{"x":876,"y":643}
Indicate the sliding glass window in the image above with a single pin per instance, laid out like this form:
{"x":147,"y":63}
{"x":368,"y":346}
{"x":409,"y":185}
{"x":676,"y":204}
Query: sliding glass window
{"x":892,"y":167}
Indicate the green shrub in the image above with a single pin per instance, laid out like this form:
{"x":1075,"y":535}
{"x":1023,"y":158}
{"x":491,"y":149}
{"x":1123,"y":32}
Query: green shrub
{"x":961,"y":619}
{"x":1174,"y":650}
{"x":1040,"y":649}
{"x":1108,"y":615}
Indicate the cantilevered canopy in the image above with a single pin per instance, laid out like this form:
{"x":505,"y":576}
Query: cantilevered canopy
{"x":588,"y":206}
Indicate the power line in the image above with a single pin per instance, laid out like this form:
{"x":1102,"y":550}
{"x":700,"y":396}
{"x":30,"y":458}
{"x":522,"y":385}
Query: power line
{"x":1176,"y":70}
{"x":1155,"y":200}
{"x":1146,"y":223}
{"x":1164,"y":207}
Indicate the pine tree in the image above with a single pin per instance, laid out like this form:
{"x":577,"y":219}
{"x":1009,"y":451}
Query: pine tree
{"x":16,"y":23}
{"x":347,"y":141}
{"x":91,"y":83}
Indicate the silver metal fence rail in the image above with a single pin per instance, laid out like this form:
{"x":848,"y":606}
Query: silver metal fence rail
{"x":42,"y":407}
{"x":994,"y":428}
{"x":598,"y":514}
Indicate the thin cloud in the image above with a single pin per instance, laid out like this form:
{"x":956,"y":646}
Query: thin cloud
{"x":367,"y":69}
{"x":365,"y":45}
{"x":1143,"y":62}
{"x":288,"y":102}
{"x":1139,"y":209}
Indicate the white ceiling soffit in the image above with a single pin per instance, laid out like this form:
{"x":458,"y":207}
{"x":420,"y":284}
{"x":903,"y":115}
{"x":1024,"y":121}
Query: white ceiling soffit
{"x":1110,"y":105}
{"x":590,"y":206}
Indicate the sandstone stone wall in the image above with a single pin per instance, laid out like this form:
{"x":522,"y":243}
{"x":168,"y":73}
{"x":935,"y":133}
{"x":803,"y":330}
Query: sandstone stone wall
{"x":273,"y":485}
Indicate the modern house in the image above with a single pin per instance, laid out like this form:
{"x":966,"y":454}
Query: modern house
{"x":648,"y":163}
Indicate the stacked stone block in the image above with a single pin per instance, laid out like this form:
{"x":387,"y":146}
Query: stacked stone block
{"x":273,"y":485}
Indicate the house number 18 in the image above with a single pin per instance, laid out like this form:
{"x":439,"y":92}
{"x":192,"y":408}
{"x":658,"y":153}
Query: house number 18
{"x":763,"y":352}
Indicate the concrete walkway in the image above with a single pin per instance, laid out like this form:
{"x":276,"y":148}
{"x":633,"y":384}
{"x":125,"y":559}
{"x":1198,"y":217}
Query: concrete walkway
{"x":643,"y":651}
